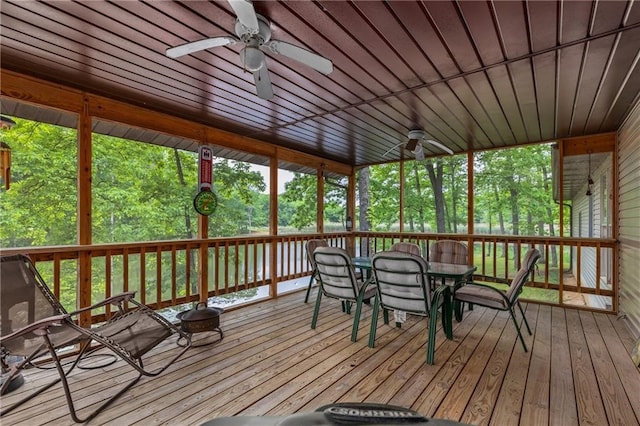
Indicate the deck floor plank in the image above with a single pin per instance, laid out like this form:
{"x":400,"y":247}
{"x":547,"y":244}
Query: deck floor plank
{"x":562,"y":402}
{"x":535,"y":406}
{"x":431,"y":397}
{"x":590,"y":407}
{"x":509,"y":404}
{"x":616,"y":403}
{"x":485,"y":394}
{"x":459,"y":395}
{"x":628,"y":374}
{"x":578,"y":371}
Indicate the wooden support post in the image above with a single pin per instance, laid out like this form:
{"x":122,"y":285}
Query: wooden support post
{"x":402,"y":168}
{"x":320,"y":198}
{"x":470,"y":206}
{"x":351,"y":211}
{"x":84,"y":212}
{"x":273,"y":225}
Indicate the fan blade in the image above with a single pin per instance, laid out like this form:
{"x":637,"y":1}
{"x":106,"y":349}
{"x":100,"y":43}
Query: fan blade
{"x":419,"y":153}
{"x":304,"y":56}
{"x":439,"y":145}
{"x":392,"y":148}
{"x":196,"y":46}
{"x":411,"y":145}
{"x":263,"y":83}
{"x":246,"y":14}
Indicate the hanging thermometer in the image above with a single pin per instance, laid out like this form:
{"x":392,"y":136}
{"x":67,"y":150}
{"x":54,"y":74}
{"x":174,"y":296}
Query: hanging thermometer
{"x":205,"y":201}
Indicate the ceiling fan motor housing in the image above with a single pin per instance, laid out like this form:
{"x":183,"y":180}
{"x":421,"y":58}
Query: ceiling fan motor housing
{"x":416,"y":134}
{"x":263,"y":35}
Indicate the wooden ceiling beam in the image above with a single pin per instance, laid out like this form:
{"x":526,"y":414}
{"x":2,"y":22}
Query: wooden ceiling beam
{"x":605,"y":142}
{"x":31,"y":90}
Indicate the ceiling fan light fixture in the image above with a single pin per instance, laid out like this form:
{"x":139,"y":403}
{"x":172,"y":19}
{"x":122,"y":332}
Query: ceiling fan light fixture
{"x":252,"y":58}
{"x":419,"y":152}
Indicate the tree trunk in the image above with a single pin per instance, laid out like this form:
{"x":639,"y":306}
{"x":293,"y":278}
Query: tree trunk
{"x":365,"y":202}
{"x":454,"y":195}
{"x":500,"y":217}
{"x":552,"y":230}
{"x":435,"y":176}
{"x":419,"y":197}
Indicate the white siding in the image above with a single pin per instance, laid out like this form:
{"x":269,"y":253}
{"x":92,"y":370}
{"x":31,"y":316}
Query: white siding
{"x":629,"y":219}
{"x":587,"y":224}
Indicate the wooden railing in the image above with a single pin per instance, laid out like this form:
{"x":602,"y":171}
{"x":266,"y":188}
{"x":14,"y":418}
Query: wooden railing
{"x":498,"y":257}
{"x":168,"y":273}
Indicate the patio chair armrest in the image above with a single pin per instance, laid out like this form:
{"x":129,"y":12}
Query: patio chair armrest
{"x":443,"y":288}
{"x":442,"y":292}
{"x":113,"y":300}
{"x":38,"y":327}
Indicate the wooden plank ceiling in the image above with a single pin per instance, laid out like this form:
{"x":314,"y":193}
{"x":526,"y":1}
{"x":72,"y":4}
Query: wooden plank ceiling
{"x":474,"y":75}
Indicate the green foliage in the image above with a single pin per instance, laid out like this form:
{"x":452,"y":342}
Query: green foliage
{"x":138,"y":194}
{"x":385,"y":196}
{"x":513,"y":190}
{"x":302,"y":193}
{"x":40,"y":207}
{"x":335,"y":203}
{"x":238,"y":188}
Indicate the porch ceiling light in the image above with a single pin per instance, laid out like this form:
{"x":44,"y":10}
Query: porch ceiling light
{"x":252,"y":58}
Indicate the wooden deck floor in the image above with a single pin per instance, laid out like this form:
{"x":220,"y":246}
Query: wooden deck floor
{"x":578,"y":371}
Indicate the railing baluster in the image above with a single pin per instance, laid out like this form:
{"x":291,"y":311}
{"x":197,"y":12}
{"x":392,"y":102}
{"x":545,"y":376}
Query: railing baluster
{"x":143,"y":279}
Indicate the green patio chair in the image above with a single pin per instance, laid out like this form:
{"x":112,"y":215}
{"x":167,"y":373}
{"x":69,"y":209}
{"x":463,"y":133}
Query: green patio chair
{"x":449,"y":251}
{"x":403,"y":284}
{"x":503,"y":300}
{"x":310,"y":247}
{"x":338,"y":280}
{"x":34,"y":325}
{"x":405,"y":247}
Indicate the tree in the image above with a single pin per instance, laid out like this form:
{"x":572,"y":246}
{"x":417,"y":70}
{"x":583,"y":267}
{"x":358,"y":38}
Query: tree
{"x":301,"y":192}
{"x":40,"y":208}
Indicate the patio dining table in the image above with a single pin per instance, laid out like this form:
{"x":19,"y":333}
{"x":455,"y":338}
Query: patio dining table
{"x":451,"y":274}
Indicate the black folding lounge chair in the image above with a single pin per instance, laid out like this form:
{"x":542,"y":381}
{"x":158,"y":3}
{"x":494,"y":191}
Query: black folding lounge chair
{"x":34,"y":324}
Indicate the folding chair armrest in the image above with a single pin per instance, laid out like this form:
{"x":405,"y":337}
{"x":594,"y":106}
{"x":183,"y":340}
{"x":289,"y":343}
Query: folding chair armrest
{"x":38,"y":327}
{"x":113,"y":300}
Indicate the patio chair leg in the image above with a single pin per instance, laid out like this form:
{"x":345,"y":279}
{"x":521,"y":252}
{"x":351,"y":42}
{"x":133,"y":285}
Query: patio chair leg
{"x":458,"y":309}
{"x":316,"y":309}
{"x":61,"y":377}
{"x":515,"y":323}
{"x":306,"y":297}
{"x":431,"y":342}
{"x":524,"y":318}
{"x":356,"y":318}
{"x":447,"y":315}
{"x":374,"y":321}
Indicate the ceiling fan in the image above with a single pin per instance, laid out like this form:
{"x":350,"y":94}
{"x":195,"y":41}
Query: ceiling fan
{"x":253,"y":30}
{"x":416,"y":138}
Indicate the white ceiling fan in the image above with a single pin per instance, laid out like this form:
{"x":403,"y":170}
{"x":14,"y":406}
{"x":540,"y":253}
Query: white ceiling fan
{"x":416,"y":138}
{"x":253,"y":30}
